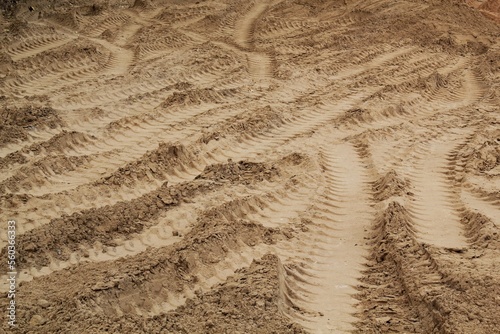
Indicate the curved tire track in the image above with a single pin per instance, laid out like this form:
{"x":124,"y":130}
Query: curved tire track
{"x":323,"y":290}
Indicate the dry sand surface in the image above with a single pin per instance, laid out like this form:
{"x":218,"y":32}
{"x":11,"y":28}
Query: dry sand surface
{"x":251,"y":166}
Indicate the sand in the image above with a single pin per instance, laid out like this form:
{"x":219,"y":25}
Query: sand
{"x":298,"y":166}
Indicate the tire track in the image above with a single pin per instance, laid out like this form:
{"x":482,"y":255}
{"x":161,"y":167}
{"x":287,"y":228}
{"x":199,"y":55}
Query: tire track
{"x":219,"y":160}
{"x":322,"y":291}
{"x":138,"y":184}
{"x":244,"y":29}
{"x":384,"y":302}
{"x":238,"y":254}
{"x":490,"y":210}
{"x":110,"y":22}
{"x":120,"y":60}
{"x":36,"y":45}
{"x":435,"y":206}
{"x":164,"y":231}
{"x":134,"y":213}
{"x":201,"y":77}
{"x":376,"y":62}
{"x":259,"y":64}
{"x":254,"y":145}
{"x":109,"y":164}
{"x":137,"y":153}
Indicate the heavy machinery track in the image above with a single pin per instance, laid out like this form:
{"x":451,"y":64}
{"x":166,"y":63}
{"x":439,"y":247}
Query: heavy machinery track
{"x":263,"y":166}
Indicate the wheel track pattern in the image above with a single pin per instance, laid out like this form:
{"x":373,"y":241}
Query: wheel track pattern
{"x":133,"y":185}
{"x":382,"y":293}
{"x":326,"y":279}
{"x":110,"y":22}
{"x":163,"y":198}
{"x":479,"y":210}
{"x":435,"y":211}
{"x":151,"y":131}
{"x":239,"y":252}
{"x":180,"y":220}
{"x":240,"y":81}
{"x":35,"y":45}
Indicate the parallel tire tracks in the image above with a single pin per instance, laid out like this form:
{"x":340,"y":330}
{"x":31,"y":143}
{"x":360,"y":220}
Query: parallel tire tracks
{"x":165,"y":147}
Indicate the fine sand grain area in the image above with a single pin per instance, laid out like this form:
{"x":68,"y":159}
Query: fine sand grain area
{"x":250,"y":166}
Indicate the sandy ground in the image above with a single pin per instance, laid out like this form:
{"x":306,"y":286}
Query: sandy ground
{"x":287,"y":166}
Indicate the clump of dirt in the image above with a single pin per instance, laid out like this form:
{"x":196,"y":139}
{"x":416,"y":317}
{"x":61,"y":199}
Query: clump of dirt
{"x":160,"y":274}
{"x":390,"y":185}
{"x":394,"y":224}
{"x":35,"y":175}
{"x":156,"y":163}
{"x":96,"y":9}
{"x":197,"y":96}
{"x":444,"y":306}
{"x":481,"y":231}
{"x":103,"y":224}
{"x":109,"y":35}
{"x":177,"y":267}
{"x":242,"y":171}
{"x":385,"y":303}
{"x":18,"y":121}
{"x":434,"y":81}
{"x":84,"y":50}
{"x":5,"y":64}
{"x":247,"y":302}
{"x":30,"y":116}
{"x":482,"y":152}
{"x":250,"y":298}
{"x":182,"y":85}
{"x":354,"y":116}
{"x":143,"y":4}
{"x":356,"y":113}
{"x":13,"y":158}
{"x":12,"y":201}
{"x":387,"y":308}
{"x":293,"y":159}
{"x":485,"y":157}
{"x":12,"y":134}
{"x":254,"y":122}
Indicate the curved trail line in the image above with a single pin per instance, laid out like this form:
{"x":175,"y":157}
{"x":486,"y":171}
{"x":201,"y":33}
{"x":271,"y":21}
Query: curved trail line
{"x":333,"y":265}
{"x":243,"y":34}
{"x":120,"y":59}
{"x":435,"y":207}
{"x":36,"y":45}
{"x":259,"y":64}
{"x":489,"y":209}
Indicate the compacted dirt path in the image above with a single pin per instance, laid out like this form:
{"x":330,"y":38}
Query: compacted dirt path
{"x":237,"y":166}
